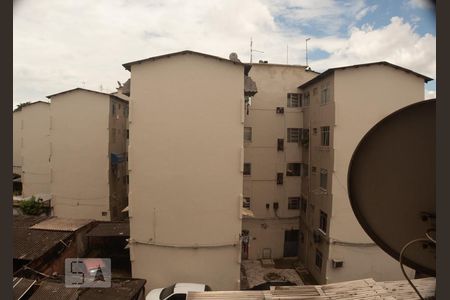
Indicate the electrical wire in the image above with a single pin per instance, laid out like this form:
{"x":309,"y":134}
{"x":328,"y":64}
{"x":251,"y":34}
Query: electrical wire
{"x":233,"y":244}
{"x":429,"y":236}
{"x":402,"y":252}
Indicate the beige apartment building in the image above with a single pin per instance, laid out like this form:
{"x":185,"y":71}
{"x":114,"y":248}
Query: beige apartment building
{"x":339,"y":107}
{"x":273,"y":161}
{"x":88,"y":152}
{"x":31,"y":147}
{"x":186,"y":169}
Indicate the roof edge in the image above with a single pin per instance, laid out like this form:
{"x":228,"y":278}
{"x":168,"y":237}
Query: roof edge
{"x":78,"y":88}
{"x":331,"y":70}
{"x":128,"y":65}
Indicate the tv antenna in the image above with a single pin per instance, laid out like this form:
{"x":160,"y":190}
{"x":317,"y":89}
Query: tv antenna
{"x":253,"y":50}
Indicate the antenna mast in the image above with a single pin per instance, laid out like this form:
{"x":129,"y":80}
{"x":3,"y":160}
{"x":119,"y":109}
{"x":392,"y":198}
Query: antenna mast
{"x":252,"y":50}
{"x":306,"y":53}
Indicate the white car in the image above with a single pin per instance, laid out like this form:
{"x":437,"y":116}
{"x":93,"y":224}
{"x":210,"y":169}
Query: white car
{"x":176,"y":291}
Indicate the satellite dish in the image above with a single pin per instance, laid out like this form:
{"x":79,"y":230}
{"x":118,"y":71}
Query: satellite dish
{"x":391,"y":184}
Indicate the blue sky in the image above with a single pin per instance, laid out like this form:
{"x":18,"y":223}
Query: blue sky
{"x":60,"y":45}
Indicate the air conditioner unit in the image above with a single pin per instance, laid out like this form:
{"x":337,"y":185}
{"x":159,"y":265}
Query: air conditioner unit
{"x":280,"y":110}
{"x":337,"y":263}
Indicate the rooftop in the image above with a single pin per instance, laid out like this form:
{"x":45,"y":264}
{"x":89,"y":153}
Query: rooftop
{"x":30,"y":244}
{"x":127,"y":66}
{"x":331,"y":70}
{"x":356,"y":289}
{"x":110,"y":229}
{"x":62,"y":224}
{"x":120,"y":289}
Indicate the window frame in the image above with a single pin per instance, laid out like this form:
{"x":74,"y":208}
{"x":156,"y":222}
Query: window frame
{"x":323,"y":221}
{"x":323,"y":182}
{"x":292,"y":137}
{"x":325,"y":134}
{"x":319,"y":258}
{"x":246,"y":202}
{"x":292,"y":201}
{"x":248,"y":131}
{"x":294,"y":102}
{"x":294,"y":171}
{"x":249,"y":173}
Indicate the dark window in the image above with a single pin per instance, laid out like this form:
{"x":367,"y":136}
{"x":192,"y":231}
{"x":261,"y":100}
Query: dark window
{"x":314,"y":130}
{"x":324,"y":95}
{"x":323,"y":178}
{"x":293,"y":202}
{"x":293,"y":169}
{"x":279,"y":178}
{"x":323,"y":221}
{"x":246,"y":203}
{"x":128,"y":133}
{"x":247,"y":168}
{"x":319,"y":259}
{"x":104,"y":213}
{"x":293,"y":135}
{"x":294,"y":100}
{"x":280,"y":144}
{"x":325,"y":136}
{"x":113,"y":109}
{"x":313,"y":169}
{"x":125,"y":111}
{"x":305,"y":101}
{"x":247,"y":134}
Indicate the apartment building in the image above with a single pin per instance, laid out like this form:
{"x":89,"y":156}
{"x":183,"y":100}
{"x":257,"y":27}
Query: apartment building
{"x":186,"y":169}
{"x":339,"y":107}
{"x":88,"y":152}
{"x":273,"y":161}
{"x":31,"y":147}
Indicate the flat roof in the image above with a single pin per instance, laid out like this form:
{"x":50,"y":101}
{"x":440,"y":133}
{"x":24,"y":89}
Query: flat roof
{"x":128,"y":65}
{"x":331,"y":70}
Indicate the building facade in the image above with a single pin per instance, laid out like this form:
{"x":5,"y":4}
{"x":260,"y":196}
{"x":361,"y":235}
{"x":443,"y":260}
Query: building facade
{"x":88,"y":154}
{"x":273,"y":157}
{"x":186,"y":169}
{"x":31,"y":147}
{"x":339,"y":107}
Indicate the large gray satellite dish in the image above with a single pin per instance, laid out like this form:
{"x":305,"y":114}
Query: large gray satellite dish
{"x":391,"y":184}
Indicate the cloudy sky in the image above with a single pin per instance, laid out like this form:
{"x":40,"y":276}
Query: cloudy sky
{"x":59,"y":45}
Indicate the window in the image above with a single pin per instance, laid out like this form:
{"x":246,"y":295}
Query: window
{"x":325,"y":136}
{"x":323,"y":179}
{"x":293,"y":202}
{"x":126,"y":179}
{"x":293,"y":169}
{"x":246,"y":203}
{"x":280,"y":144}
{"x":313,"y":169}
{"x":304,"y":204}
{"x":247,"y":168}
{"x":323,"y":221}
{"x":319,"y":259}
{"x":113,"y":135}
{"x":113,"y":109}
{"x":125,"y":111}
{"x":247,"y":134}
{"x":293,"y":135}
{"x":294,"y":100}
{"x":325,"y":95}
{"x":314,"y":130}
{"x":128,"y":133}
{"x":119,"y":106}
{"x":279,"y":178}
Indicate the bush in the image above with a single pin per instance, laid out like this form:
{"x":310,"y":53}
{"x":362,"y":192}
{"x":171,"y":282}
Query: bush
{"x":31,"y":207}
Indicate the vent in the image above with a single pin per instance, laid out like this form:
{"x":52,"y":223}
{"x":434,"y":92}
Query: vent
{"x":280,"y":110}
{"x":337,"y":263}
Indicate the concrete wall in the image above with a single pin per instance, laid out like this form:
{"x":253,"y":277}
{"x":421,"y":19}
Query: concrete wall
{"x":80,"y":154}
{"x":17,"y":142}
{"x":186,"y":141}
{"x":118,"y":144}
{"x":380,"y":90}
{"x":359,"y":98}
{"x":267,"y":228}
{"x":35,"y":148}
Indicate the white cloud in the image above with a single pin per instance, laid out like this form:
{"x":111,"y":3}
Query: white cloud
{"x":430,"y":94}
{"x":58,"y":45}
{"x":397,"y":43}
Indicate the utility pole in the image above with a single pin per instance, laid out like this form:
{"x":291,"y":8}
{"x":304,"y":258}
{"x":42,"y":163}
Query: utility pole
{"x":306,"y":53}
